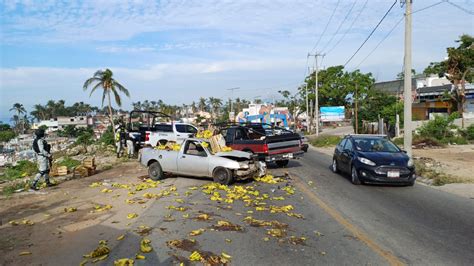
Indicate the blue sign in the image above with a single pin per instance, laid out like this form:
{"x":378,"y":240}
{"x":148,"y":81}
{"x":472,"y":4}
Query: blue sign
{"x":332,"y":113}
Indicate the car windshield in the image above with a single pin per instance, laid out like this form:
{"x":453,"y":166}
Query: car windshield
{"x":375,"y":145}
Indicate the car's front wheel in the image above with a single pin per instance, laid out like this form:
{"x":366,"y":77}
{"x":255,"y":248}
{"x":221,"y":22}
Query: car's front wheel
{"x":155,"y":172}
{"x":334,"y":166}
{"x":222,"y":175}
{"x":355,"y":176}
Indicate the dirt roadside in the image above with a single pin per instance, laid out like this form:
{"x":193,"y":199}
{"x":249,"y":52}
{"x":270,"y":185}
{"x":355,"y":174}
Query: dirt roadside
{"x":52,"y":224}
{"x":455,"y":160}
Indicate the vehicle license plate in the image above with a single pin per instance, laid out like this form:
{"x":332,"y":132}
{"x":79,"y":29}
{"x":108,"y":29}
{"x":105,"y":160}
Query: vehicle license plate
{"x":288,"y":155}
{"x":393,"y":174}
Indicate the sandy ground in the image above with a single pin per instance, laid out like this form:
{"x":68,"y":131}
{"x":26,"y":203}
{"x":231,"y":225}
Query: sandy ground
{"x":46,"y":209}
{"x":456,"y":160}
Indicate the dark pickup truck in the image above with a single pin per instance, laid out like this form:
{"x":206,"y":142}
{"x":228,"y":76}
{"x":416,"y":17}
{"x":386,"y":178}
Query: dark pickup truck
{"x":271,"y":144}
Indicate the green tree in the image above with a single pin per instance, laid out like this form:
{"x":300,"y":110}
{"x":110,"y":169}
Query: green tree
{"x":458,"y":68}
{"x":335,"y":85}
{"x":202,"y":104}
{"x":85,"y":138}
{"x":6,"y":133}
{"x":376,"y":103}
{"x":104,"y":79}
{"x":19,"y":109}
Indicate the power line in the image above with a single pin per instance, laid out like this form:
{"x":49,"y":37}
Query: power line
{"x":381,"y":41}
{"x":350,"y":27}
{"x":372,"y":32}
{"x":460,"y":7}
{"x":393,"y":28}
{"x":340,"y":25}
{"x":325,"y":28}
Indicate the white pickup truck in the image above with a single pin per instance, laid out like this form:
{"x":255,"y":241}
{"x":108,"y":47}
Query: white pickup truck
{"x":194,"y":158}
{"x":164,"y":132}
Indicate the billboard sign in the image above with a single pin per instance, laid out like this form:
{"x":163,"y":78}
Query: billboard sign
{"x":332,"y":113}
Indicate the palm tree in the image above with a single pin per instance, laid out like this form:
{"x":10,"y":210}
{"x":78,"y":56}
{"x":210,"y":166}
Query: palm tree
{"x":19,"y":109}
{"x":215,"y":104}
{"x":109,"y":85}
{"x":202,"y":104}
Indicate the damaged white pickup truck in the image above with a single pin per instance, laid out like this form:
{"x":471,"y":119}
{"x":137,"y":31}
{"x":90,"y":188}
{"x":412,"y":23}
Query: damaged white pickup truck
{"x":195,"y":158}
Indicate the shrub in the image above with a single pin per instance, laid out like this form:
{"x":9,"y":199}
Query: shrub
{"x":107,"y":138}
{"x":325,"y":140}
{"x":439,"y":128}
{"x":22,"y":169}
{"x":470,"y":132}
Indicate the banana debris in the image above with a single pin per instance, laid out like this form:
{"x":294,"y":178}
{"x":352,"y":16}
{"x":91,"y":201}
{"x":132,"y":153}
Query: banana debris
{"x":70,"y":209}
{"x":145,"y":245}
{"x":132,"y":215}
{"x":124,"y":262}
{"x":196,"y":232}
{"x":101,"y":251}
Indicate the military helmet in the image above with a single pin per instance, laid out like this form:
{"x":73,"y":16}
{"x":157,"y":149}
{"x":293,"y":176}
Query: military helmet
{"x":39,"y":133}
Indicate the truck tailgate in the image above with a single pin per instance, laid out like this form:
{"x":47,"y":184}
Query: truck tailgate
{"x":284,"y":143}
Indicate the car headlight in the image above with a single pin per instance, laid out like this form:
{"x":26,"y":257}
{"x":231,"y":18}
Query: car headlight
{"x":410,"y":162}
{"x":366,"y":161}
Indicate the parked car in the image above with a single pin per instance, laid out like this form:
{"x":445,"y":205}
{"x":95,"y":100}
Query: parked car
{"x":195,"y":159}
{"x":270,"y":144}
{"x":373,"y":159}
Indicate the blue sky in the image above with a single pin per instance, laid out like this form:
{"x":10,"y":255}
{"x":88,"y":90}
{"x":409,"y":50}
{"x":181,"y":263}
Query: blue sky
{"x":179,"y":51}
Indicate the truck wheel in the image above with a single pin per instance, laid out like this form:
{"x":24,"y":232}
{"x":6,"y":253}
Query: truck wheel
{"x":222,"y":175}
{"x":155,"y":172}
{"x":282,"y":163}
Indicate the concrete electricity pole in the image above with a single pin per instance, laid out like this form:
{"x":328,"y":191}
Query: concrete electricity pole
{"x":316,"y":91}
{"x":231,"y":97}
{"x":407,"y":96}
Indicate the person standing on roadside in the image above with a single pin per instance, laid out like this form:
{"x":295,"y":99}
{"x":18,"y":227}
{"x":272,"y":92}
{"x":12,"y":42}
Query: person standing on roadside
{"x":43,"y":157}
{"x":118,"y":140}
{"x":130,"y":145}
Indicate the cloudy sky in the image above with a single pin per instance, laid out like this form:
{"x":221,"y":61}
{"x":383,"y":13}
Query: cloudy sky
{"x":180,"y":50}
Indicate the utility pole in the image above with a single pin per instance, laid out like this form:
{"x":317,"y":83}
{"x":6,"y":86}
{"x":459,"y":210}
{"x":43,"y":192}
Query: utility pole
{"x":231,"y":97}
{"x":316,"y":90}
{"x":356,"y":111}
{"x":407,"y":95}
{"x":307,"y":103}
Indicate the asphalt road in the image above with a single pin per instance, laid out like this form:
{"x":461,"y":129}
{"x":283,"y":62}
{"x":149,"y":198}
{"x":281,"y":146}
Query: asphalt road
{"x":418,"y":225}
{"x":326,"y":221}
{"x":343,"y":223}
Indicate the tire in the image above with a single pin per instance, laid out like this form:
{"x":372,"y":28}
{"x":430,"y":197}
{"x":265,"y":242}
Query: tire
{"x":222,"y":176}
{"x":155,"y":172}
{"x":282,"y":163}
{"x":355,"y":176}
{"x":412,"y":183}
{"x":334,"y":166}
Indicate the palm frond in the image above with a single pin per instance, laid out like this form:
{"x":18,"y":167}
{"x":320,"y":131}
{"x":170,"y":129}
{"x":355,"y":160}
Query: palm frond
{"x":121,"y":88}
{"x":89,"y":82}
{"x":99,"y":73}
{"x":94,"y":88}
{"x":117,"y":97}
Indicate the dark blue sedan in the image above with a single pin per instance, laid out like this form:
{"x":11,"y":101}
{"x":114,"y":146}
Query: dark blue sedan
{"x":373,"y":159}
